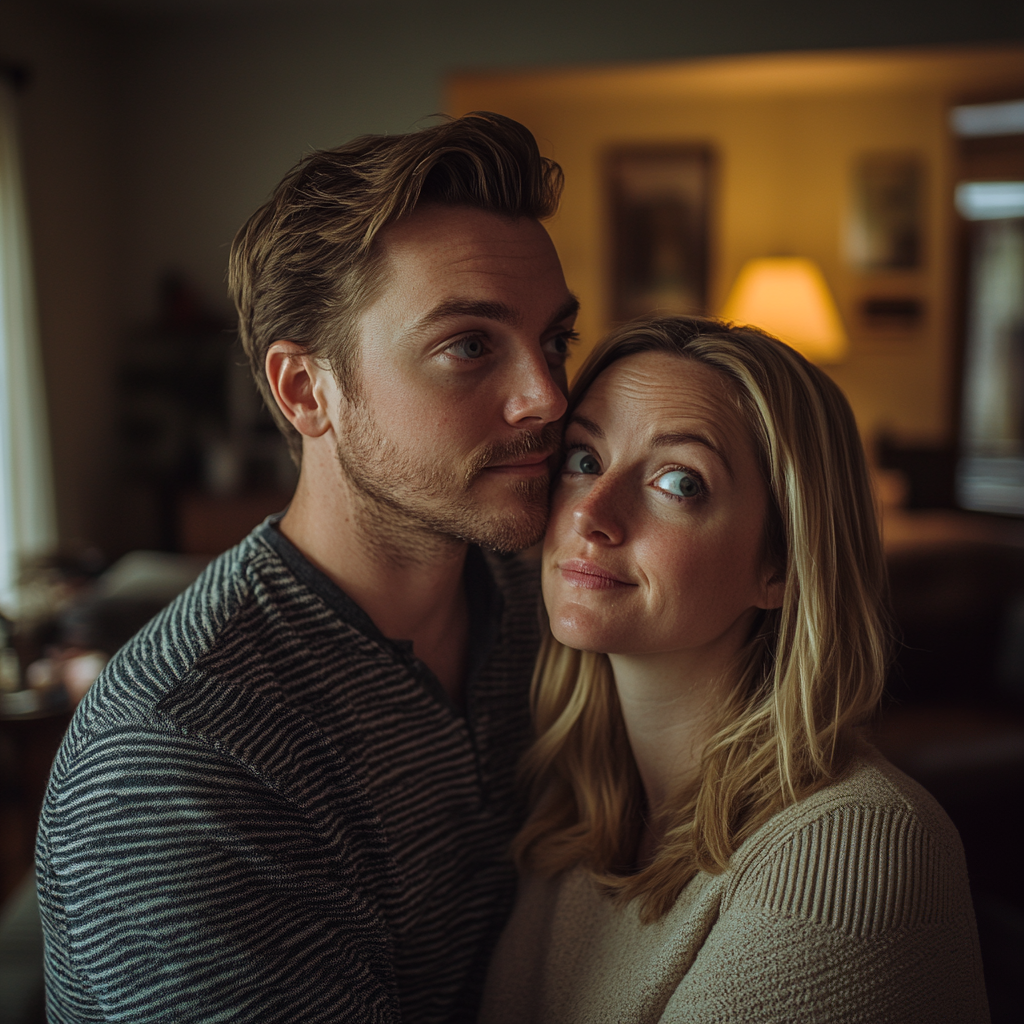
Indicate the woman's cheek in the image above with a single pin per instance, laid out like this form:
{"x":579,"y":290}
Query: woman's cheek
{"x":559,"y":518}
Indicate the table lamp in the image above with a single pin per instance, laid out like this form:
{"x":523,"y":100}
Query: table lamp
{"x":787,"y":296}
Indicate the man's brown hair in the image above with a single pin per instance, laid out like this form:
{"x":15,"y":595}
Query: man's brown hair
{"x":304,"y":266}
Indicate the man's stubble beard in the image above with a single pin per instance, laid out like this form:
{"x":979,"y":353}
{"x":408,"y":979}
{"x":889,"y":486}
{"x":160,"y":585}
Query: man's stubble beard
{"x":409,"y":509}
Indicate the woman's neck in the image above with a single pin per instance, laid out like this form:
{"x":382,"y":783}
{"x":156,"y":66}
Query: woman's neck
{"x":670,"y":704}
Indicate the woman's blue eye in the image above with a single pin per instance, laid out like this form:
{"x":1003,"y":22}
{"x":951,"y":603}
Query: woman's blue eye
{"x":679,"y":482}
{"x":468,"y":348}
{"x":582,"y":462}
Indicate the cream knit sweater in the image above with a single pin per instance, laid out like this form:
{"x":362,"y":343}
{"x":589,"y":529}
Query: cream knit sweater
{"x":849,"y":906}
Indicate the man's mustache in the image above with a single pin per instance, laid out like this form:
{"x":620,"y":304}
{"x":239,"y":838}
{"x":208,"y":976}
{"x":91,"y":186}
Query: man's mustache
{"x":547,"y":440}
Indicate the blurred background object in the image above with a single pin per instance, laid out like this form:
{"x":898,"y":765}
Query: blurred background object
{"x":659,"y":200}
{"x":990,"y":472}
{"x":81,"y":616}
{"x":198,"y":446}
{"x":876,"y":141}
{"x":27,"y":513}
{"x":787,"y":296}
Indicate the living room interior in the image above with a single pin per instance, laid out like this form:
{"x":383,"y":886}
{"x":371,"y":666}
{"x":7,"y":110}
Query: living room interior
{"x":149,"y":129}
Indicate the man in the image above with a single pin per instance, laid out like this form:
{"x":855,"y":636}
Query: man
{"x":289,"y":798}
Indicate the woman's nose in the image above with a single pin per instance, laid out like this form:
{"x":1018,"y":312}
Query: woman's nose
{"x":598,"y":515}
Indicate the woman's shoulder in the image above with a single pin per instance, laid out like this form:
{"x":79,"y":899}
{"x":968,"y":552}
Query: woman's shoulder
{"x":870,"y":852}
{"x":869,"y":786}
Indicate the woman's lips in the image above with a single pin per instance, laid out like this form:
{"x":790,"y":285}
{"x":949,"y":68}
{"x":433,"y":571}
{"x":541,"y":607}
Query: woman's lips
{"x":579,"y":573}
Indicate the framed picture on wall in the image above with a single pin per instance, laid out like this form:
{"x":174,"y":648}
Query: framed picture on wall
{"x":659,"y":204}
{"x":887,"y":212}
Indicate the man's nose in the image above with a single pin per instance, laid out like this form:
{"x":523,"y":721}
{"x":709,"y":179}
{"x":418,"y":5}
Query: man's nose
{"x":536,"y":396}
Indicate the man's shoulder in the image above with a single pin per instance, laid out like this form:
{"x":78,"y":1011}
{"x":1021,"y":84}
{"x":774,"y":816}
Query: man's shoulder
{"x":212,"y":618}
{"x":517,"y":578}
{"x":517,"y":574}
{"x":203,"y":690}
{"x":236,"y":636}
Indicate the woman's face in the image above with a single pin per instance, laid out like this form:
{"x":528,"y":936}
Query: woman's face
{"x":655,"y":541}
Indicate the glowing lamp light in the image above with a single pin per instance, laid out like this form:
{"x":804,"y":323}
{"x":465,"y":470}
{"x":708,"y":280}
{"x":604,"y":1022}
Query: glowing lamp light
{"x":787,"y":296}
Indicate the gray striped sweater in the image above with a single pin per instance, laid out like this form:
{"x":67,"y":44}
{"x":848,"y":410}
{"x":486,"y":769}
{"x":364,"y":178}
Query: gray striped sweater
{"x":267,"y":811}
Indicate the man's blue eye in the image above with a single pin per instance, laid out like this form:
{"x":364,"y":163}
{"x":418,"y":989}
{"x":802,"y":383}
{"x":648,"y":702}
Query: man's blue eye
{"x":679,"y":482}
{"x":582,"y":462}
{"x":468,"y":348}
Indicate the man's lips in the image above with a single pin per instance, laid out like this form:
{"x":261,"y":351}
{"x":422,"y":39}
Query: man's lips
{"x":533,"y":464}
{"x":579,"y":573}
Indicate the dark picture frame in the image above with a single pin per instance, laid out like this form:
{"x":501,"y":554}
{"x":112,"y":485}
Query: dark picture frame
{"x":888,"y":208}
{"x":660,"y":206}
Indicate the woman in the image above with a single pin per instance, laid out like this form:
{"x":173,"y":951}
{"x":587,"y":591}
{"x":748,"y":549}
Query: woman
{"x":710,"y":840}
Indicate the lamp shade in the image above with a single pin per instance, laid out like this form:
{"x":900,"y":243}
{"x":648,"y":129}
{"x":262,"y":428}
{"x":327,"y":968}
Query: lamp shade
{"x":787,"y":296}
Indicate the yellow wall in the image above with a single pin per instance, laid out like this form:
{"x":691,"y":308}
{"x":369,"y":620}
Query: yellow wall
{"x":787,"y":131}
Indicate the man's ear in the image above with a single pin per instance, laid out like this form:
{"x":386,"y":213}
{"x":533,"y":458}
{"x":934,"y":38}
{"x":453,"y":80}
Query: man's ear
{"x":303,"y":387}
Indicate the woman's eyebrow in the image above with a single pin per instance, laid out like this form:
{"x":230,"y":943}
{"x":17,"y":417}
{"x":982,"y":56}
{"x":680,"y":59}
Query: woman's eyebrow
{"x":588,"y":425}
{"x":671,"y":439}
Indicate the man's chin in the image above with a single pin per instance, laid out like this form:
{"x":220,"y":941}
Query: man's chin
{"x":514,"y":520}
{"x":511,"y":538}
{"x":505,"y":518}
{"x":518,"y":525}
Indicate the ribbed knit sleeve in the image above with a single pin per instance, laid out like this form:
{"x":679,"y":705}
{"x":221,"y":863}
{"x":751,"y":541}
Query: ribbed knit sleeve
{"x":860,"y":917}
{"x":861,"y":871}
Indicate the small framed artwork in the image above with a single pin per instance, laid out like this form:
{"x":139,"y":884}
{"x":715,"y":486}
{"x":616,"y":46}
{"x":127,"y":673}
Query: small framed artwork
{"x":887,"y":211}
{"x":892,"y":313}
{"x":659,"y":202}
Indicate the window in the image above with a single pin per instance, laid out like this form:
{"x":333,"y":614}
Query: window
{"x":27,"y":525}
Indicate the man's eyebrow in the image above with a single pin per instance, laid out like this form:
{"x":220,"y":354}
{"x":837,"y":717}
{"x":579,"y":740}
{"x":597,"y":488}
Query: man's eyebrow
{"x":499,"y":312}
{"x":569,"y":308}
{"x":671,"y":439}
{"x":588,"y":425}
{"x":452,"y":309}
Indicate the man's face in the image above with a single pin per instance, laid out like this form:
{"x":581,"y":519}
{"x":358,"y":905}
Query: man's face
{"x":459,"y":379}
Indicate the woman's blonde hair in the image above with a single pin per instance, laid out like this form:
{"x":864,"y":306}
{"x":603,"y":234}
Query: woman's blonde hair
{"x":810,"y":672}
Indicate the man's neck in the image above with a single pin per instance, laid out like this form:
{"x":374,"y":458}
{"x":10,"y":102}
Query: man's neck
{"x":407,"y":579}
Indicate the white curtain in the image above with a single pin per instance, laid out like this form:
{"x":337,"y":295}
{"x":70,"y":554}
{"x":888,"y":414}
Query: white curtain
{"x":27,"y":518}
